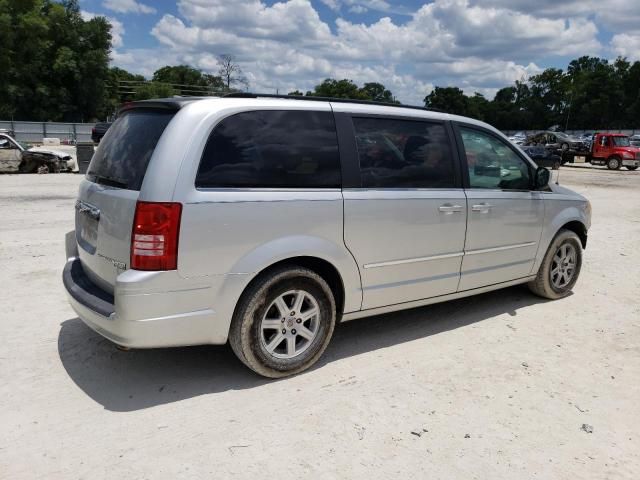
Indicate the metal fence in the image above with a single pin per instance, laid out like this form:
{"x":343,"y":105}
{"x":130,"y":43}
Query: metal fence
{"x":626,"y":131}
{"x":34,"y":132}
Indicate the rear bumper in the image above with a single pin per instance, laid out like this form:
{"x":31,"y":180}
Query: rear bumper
{"x":142,"y":313}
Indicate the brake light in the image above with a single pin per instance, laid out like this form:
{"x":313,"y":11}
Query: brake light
{"x":154,"y":240}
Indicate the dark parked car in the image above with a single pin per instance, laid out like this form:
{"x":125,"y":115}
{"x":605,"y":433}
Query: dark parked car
{"x":99,"y":130}
{"x":543,"y":157}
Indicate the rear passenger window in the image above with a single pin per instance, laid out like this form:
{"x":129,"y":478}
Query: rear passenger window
{"x":403,"y":154}
{"x":272,"y":149}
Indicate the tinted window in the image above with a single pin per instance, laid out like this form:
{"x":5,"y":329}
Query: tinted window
{"x":122,"y":157}
{"x":403,"y":154}
{"x":492,"y":163}
{"x":272,"y":149}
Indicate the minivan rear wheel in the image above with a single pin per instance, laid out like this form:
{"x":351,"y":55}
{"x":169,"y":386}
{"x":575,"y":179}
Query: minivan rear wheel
{"x":283,"y":322}
{"x":560,"y":267}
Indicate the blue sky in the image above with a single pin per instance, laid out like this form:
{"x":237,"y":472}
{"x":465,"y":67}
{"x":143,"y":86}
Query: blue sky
{"x":410,"y":46}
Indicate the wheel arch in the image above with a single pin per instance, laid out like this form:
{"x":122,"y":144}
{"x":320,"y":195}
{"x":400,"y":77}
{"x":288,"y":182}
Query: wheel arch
{"x":573,"y":218}
{"x":329,"y":259}
{"x":322,"y":267}
{"x":578,"y":228}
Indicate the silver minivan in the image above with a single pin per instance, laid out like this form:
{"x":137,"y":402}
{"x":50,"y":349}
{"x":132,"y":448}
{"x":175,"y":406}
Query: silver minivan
{"x":264,"y":221}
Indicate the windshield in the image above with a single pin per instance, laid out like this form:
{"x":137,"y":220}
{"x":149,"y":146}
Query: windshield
{"x":620,"y":141}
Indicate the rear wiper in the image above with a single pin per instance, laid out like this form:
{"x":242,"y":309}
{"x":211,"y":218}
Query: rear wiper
{"x":104,"y":180}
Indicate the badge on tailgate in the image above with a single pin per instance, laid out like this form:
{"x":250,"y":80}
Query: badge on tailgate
{"x":88,"y":209}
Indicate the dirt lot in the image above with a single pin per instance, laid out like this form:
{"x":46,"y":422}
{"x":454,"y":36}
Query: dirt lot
{"x":494,"y":386}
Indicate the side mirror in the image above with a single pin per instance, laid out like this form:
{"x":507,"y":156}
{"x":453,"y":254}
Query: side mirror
{"x":542,"y":177}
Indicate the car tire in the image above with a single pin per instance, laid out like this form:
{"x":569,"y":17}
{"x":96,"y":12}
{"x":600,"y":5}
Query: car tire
{"x":614,"y":163}
{"x":631,"y":168}
{"x":557,"y":274}
{"x":564,"y":147}
{"x":266,"y":346}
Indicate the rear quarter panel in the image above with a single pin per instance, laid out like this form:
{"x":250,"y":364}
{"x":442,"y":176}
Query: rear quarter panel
{"x":237,"y":233}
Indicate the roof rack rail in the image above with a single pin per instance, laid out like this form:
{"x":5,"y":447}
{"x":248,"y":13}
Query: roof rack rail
{"x":327,"y":99}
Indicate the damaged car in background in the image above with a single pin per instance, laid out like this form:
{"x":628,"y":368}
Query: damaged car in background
{"x":17,"y":158}
{"x":554,"y":140}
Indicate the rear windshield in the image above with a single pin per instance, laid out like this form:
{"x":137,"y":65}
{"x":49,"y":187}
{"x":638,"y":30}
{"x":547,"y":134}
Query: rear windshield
{"x":122,"y":157}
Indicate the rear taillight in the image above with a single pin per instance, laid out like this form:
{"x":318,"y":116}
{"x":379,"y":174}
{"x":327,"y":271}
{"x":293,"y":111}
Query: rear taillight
{"x":154,"y":240}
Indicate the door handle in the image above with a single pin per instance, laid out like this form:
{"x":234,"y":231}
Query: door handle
{"x":448,"y":209}
{"x":482,"y":207}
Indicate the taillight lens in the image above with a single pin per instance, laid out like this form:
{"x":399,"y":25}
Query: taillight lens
{"x":154,"y":240}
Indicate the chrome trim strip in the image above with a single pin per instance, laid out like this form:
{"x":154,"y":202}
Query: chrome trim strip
{"x":428,"y":301}
{"x":499,"y":249}
{"x":413,"y":260}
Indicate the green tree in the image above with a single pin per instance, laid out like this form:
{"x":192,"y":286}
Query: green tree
{"x":378,"y":93}
{"x":448,"y":99}
{"x":478,"y":107}
{"x":338,"y":89}
{"x":154,"y":90}
{"x":54,"y":64}
{"x":188,"y":80}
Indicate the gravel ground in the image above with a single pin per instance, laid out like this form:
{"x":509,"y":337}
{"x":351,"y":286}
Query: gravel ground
{"x":501,"y":385}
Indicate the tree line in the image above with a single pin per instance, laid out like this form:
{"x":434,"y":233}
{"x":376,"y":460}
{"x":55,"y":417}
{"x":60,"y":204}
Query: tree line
{"x":54,"y":66}
{"x":591,"y":93}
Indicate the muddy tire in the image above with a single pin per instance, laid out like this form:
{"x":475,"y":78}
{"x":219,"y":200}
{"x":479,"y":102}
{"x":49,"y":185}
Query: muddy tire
{"x":560,"y":267}
{"x":614,"y":163}
{"x":283,"y":322}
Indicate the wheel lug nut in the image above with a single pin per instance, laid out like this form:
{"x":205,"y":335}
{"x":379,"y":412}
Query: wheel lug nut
{"x":299,"y":320}
{"x":282,"y":320}
{"x":293,"y":313}
{"x":293,"y":331}
{"x":284,"y":331}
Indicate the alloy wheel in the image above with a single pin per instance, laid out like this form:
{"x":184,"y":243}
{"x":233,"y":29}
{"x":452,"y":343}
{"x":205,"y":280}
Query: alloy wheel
{"x":290,"y":324}
{"x":563,"y":266}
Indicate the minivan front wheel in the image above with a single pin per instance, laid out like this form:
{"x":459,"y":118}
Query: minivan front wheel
{"x":560,"y":267}
{"x":283,"y":322}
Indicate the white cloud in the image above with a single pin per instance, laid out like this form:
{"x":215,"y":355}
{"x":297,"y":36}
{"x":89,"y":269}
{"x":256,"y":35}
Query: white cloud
{"x":479,"y":46}
{"x":626,"y":45}
{"x":332,"y":4}
{"x":127,"y":6}
{"x":117,"y":28}
{"x":144,"y":61}
{"x":357,"y":9}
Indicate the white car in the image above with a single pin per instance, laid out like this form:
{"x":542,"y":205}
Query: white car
{"x":16,"y":158}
